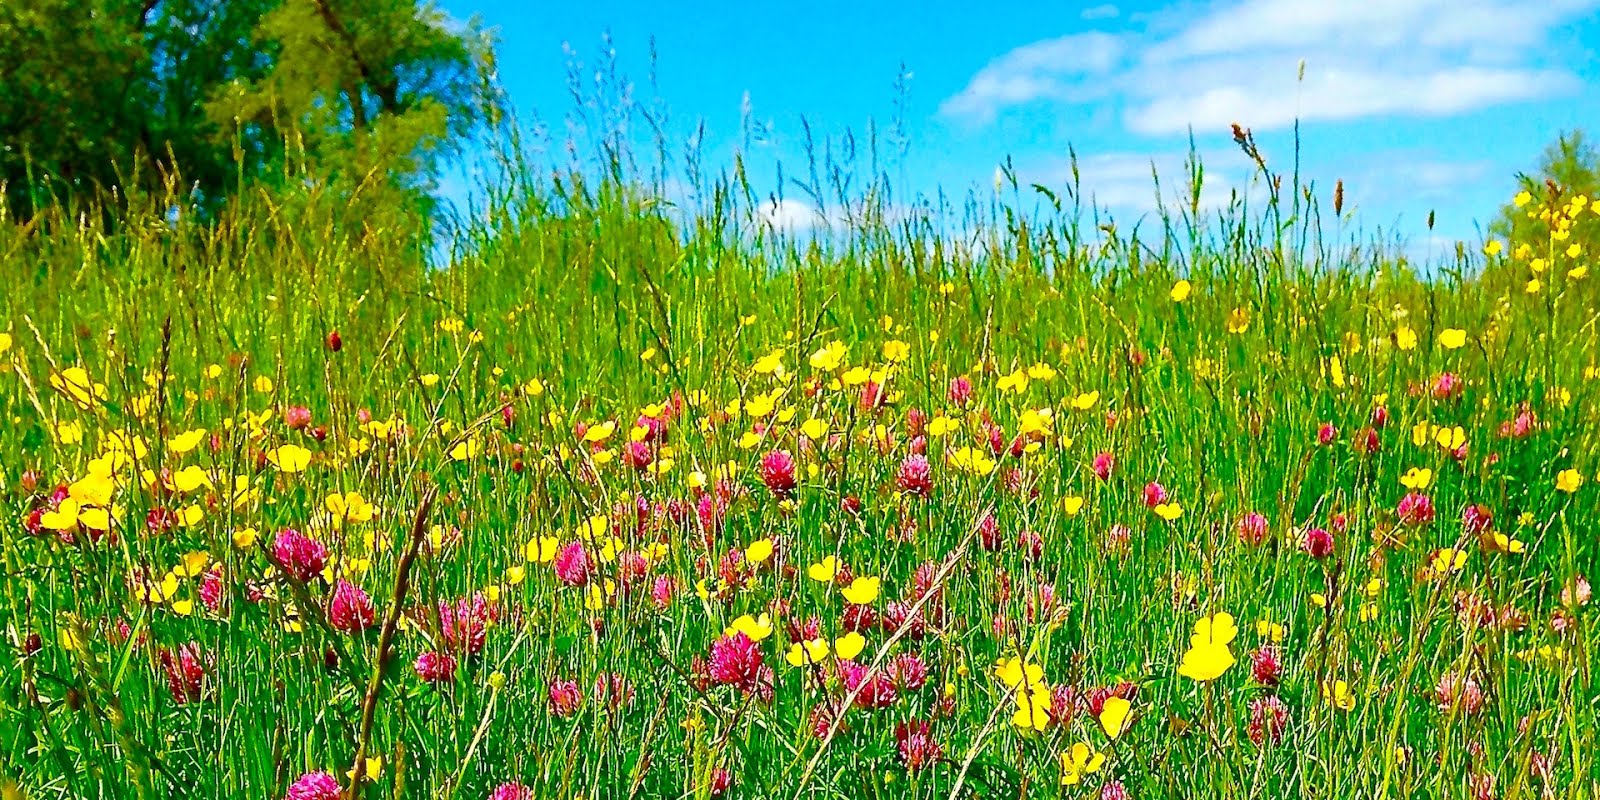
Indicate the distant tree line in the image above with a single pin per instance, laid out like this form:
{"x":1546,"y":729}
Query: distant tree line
{"x":1569,"y":169}
{"x":117,"y":97}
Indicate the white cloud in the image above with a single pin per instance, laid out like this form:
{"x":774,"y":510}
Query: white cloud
{"x":1368,"y":25}
{"x":789,"y":215}
{"x":1106,"y":11}
{"x":1045,"y":69}
{"x":1240,"y":60}
{"x":1275,"y":100}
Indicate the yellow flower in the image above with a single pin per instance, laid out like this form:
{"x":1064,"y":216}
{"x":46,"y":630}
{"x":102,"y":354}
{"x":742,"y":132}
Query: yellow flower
{"x":1417,"y":478}
{"x":1421,"y":431}
{"x":829,"y":357}
{"x":757,"y":628}
{"x":762,"y":404}
{"x":770,"y":364}
{"x":1180,"y":291}
{"x":244,"y":538}
{"x":1169,"y":511}
{"x":1338,"y":695}
{"x":1033,"y":707}
{"x":1016,"y":382}
{"x":351,"y":507}
{"x":1334,"y":369}
{"x":374,"y":769}
{"x":1447,"y":560}
{"x":1014,"y":672}
{"x":1078,"y":762}
{"x":5,"y":342}
{"x":63,"y":518}
{"x":466,"y":449}
{"x":972,"y":460}
{"x":600,"y":432}
{"x":69,"y":432}
{"x":862,"y":591}
{"x":1492,"y":248}
{"x":942,"y":425}
{"x":815,"y":429}
{"x":186,"y":441}
{"x":194,"y":562}
{"x":1086,"y":400}
{"x":813,"y":651}
{"x":1452,"y":338}
{"x":189,"y":479}
{"x":1114,"y":716}
{"x":290,"y":458}
{"x":1405,"y":338}
{"x":1208,"y":656}
{"x":1239,"y":320}
{"x":759,"y":551}
{"x":895,"y":351}
{"x":190,"y":516}
{"x":1568,"y":480}
{"x":1071,"y":505}
{"x":1036,"y":421}
{"x":849,"y":645}
{"x":824,"y":571}
{"x":379,"y":429}
{"x":598,"y":597}
{"x":1506,"y":544}
{"x":1451,"y":438}
{"x":1522,"y":198}
{"x":94,"y":489}
{"x":1270,"y":630}
{"x":77,"y":386}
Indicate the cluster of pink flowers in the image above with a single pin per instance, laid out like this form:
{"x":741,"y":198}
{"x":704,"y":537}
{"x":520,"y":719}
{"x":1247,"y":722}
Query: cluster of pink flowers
{"x":736,"y":661}
{"x":298,"y":555}
{"x":777,"y":472}
{"x":185,"y":669}
{"x":918,"y":749}
{"x":350,"y":610}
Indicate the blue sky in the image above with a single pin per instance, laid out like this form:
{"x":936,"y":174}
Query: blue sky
{"x":1417,"y":105}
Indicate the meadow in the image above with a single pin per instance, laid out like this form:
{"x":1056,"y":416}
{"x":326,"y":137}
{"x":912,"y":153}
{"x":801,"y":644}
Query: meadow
{"x":634,"y":499}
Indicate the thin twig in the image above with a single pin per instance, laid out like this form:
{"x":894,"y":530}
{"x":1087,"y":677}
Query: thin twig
{"x":391,"y":621}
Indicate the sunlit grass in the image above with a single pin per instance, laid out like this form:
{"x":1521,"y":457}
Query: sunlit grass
{"x":618,"y":504}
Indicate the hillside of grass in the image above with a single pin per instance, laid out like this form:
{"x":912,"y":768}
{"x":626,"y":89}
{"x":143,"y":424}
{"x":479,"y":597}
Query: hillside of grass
{"x":603,"y":492}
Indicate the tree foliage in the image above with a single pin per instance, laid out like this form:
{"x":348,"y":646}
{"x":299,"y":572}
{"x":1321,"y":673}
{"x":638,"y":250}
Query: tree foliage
{"x":1568,"y":169}
{"x":211,"y":95}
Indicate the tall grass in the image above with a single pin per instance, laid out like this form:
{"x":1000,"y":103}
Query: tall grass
{"x":1250,"y":359}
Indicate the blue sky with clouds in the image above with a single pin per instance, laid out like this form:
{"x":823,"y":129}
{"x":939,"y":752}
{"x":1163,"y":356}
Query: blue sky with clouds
{"x":1417,"y":105}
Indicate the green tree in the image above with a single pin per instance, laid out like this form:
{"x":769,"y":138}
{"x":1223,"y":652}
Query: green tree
{"x":140,"y":94}
{"x":370,"y":92}
{"x":1569,"y":168}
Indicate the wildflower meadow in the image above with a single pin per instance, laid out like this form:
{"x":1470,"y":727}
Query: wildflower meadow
{"x":608,"y":497}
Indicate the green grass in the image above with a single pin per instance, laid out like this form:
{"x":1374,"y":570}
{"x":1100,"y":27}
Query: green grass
{"x":613,"y":302}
